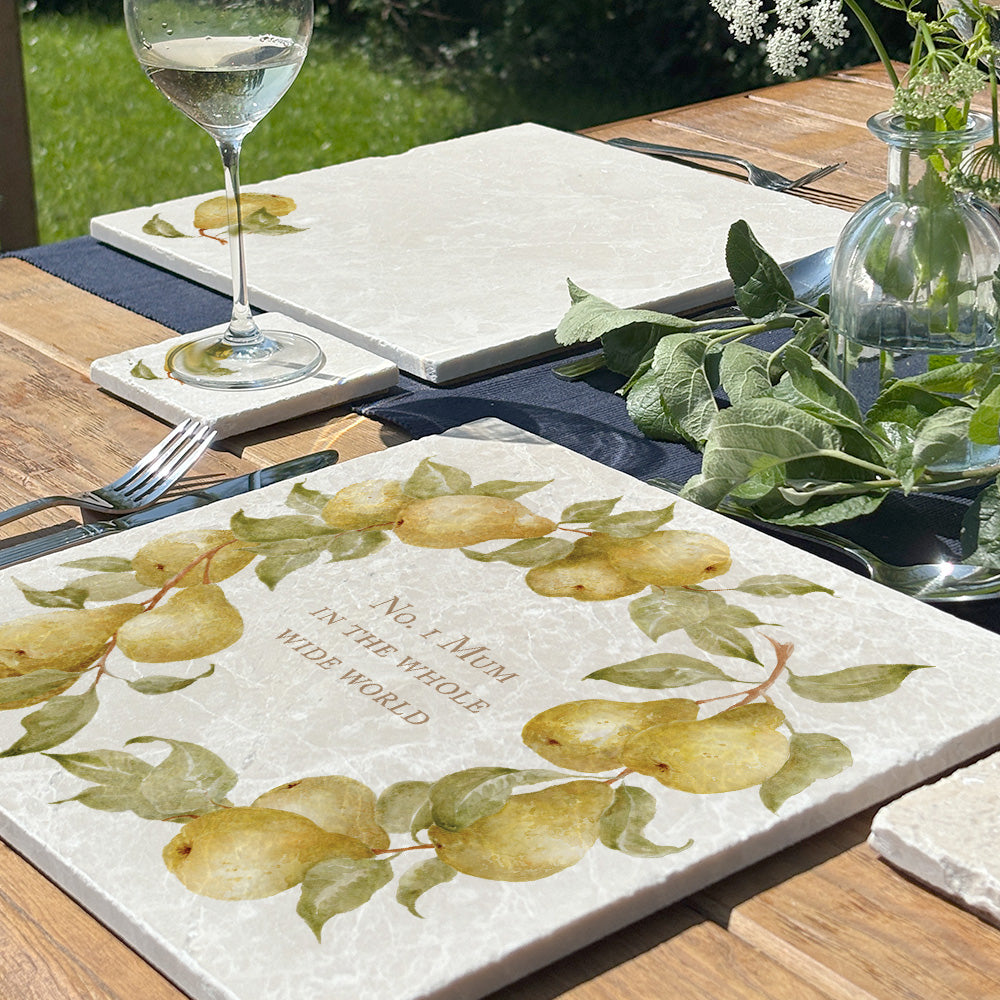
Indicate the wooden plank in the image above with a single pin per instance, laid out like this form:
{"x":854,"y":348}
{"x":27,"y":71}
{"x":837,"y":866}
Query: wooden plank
{"x":18,"y":225}
{"x":35,"y":308}
{"x":856,"y":929}
{"x":99,"y":437}
{"x":675,"y":954}
{"x":51,"y":948}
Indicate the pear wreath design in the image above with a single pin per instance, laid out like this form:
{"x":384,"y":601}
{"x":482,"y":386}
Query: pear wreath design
{"x":332,"y":835}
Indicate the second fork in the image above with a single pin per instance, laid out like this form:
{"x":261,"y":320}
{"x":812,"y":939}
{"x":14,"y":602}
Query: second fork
{"x":757,"y":176}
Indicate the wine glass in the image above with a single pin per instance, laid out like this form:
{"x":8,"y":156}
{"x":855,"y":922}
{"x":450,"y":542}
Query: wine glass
{"x":225,"y":64}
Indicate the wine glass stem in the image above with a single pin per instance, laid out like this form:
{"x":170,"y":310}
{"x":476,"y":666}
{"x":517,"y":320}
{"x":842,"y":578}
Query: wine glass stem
{"x":243,"y":330}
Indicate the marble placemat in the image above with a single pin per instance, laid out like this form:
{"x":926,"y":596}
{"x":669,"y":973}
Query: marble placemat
{"x":453,"y":258}
{"x":139,"y":377}
{"x":946,"y":835}
{"x":336,"y":739}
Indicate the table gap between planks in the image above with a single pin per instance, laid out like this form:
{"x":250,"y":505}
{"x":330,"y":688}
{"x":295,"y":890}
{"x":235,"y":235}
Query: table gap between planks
{"x":823,"y":920}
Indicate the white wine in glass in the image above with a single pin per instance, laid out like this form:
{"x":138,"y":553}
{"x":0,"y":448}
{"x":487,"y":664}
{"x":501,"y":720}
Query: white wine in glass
{"x":225,"y":65}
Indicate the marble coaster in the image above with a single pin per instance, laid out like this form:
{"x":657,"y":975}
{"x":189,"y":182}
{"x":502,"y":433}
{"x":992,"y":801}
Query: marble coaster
{"x":138,"y":377}
{"x":945,"y":835}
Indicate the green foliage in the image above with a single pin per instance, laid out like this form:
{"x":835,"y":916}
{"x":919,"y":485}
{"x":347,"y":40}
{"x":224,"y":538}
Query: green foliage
{"x":381,"y":76}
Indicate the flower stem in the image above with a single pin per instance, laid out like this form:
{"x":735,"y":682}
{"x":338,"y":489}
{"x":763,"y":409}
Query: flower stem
{"x":875,"y":40}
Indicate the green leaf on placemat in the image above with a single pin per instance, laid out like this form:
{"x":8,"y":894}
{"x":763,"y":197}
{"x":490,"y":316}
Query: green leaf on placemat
{"x":55,"y":722}
{"x":266,"y":224}
{"x":623,"y":822}
{"x":339,"y":885}
{"x":141,"y":370}
{"x":414,"y":882}
{"x":433,"y":479}
{"x":811,"y":757}
{"x":461,"y":798}
{"x":160,"y":227}
{"x":399,"y":803}
{"x":189,"y":781}
{"x":863,"y":683}
{"x":165,"y":684}
{"x":660,"y":670}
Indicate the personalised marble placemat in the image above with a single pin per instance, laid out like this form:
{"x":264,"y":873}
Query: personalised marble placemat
{"x":453,"y":258}
{"x":428,"y":720}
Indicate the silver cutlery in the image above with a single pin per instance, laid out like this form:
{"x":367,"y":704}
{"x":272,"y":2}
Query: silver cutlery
{"x":938,"y":582}
{"x":757,"y":176}
{"x":238,"y":485}
{"x":142,"y":485}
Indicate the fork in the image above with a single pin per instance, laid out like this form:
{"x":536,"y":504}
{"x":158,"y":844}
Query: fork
{"x":757,"y":176}
{"x":934,"y":582}
{"x":142,"y":485}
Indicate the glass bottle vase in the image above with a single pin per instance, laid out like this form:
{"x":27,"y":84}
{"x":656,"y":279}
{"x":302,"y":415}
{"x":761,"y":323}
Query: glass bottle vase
{"x":915,"y":283}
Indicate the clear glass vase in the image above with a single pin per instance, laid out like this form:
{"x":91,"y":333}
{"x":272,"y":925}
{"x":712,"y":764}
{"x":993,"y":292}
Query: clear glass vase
{"x":914,"y":281}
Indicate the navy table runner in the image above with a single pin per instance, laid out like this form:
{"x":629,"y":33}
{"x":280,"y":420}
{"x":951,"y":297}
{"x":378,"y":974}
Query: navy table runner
{"x":585,"y":416}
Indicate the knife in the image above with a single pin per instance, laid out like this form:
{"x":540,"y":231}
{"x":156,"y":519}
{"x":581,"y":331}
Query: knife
{"x":198,"y":498}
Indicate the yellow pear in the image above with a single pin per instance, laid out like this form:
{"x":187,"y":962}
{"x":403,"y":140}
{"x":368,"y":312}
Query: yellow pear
{"x":364,"y":505}
{"x":194,"y":622}
{"x":737,"y":748}
{"x":535,"y":835}
{"x":333,"y":802}
{"x":672,"y":558}
{"x":589,"y":735}
{"x":67,"y":639}
{"x":586,"y":574}
{"x":214,"y":213}
{"x":249,"y":853}
{"x":450,"y":522}
{"x":163,"y":558}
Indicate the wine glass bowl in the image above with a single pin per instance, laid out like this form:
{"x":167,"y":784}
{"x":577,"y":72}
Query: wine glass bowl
{"x":225,"y":65}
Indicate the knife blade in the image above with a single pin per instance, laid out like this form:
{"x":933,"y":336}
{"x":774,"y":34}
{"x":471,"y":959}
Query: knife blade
{"x":220,"y":491}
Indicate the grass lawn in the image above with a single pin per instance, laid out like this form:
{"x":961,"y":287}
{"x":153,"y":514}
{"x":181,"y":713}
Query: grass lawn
{"x":104,"y":138}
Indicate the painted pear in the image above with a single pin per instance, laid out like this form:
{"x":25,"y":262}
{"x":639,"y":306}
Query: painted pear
{"x":589,"y":735}
{"x":449,"y":522}
{"x":535,"y":835}
{"x":364,"y":505}
{"x":737,"y":748}
{"x":68,"y":639}
{"x":334,"y":803}
{"x":249,"y":853}
{"x":586,"y":574}
{"x":671,"y":558}
{"x":214,"y":213}
{"x":163,"y":558}
{"x":194,"y":622}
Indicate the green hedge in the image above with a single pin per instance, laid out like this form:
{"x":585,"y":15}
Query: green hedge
{"x":680,"y":46}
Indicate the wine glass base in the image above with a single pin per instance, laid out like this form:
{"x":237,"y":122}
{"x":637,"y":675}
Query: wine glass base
{"x":212,"y":363}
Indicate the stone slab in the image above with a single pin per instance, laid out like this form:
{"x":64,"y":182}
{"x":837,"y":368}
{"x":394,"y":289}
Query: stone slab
{"x":453,"y":258}
{"x":413,"y":669}
{"x":139,"y":377}
{"x":946,"y":834}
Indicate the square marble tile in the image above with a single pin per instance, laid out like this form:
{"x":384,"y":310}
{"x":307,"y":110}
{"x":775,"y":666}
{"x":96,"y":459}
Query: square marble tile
{"x":367,"y":642}
{"x":138,"y":376}
{"x":453,"y":258}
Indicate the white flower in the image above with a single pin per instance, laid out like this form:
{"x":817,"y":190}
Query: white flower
{"x":746,"y":18}
{"x":786,"y":50}
{"x":791,"y":13}
{"x":799,"y":22}
{"x":828,"y":23}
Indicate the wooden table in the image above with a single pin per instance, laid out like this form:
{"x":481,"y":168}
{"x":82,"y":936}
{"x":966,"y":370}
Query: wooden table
{"x":824,"y":920}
